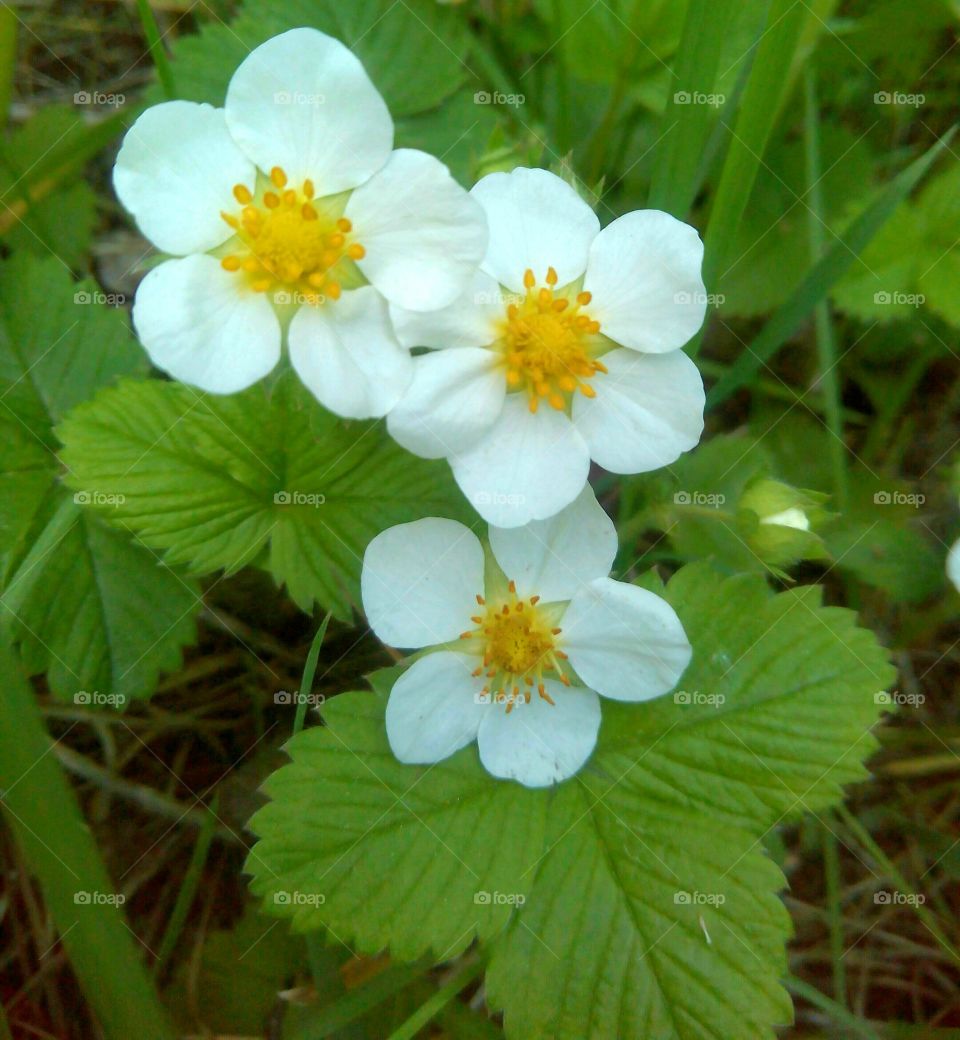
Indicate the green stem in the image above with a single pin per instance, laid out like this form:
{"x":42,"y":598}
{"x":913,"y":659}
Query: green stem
{"x":309,"y":671}
{"x":43,"y":814}
{"x":826,"y":344}
{"x":831,"y":869}
{"x":428,"y":1011}
{"x":8,"y":59}
{"x":155,"y":47}
{"x":188,"y":889}
{"x":865,"y":839}
{"x":836,"y":1011}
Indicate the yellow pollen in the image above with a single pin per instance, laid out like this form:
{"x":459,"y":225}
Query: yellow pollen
{"x":285,"y":241}
{"x":519,"y":645}
{"x":549,"y":343}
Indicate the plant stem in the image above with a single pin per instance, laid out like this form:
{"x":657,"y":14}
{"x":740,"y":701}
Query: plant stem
{"x":428,"y":1011}
{"x":43,"y":814}
{"x":831,"y":869}
{"x":826,"y":345}
{"x":155,"y":46}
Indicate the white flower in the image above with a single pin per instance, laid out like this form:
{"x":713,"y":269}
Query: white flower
{"x":567,"y":348}
{"x":953,"y":565}
{"x":292,"y":216}
{"x":522,"y":646}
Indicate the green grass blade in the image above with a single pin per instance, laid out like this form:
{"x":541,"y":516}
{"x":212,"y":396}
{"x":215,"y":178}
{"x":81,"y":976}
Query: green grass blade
{"x":686,"y":128}
{"x":824,"y":274}
{"x":188,"y":889}
{"x":309,"y":671}
{"x":837,"y":1012}
{"x":42,"y":811}
{"x":757,"y":113}
{"x":8,"y":60}
{"x":359,"y":1002}
{"x":823,"y":327}
{"x":155,"y":46}
{"x":447,"y":992}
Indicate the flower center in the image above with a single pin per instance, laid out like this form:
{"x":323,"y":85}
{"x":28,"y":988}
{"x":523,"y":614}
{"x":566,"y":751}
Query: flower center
{"x":288,"y":243}
{"x":549,"y":342}
{"x":519,"y":644}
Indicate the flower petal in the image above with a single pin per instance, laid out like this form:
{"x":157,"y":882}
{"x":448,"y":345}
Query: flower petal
{"x":644,"y":274}
{"x":420,"y":581}
{"x":536,"y":221}
{"x":303,"y":102}
{"x":434,"y":708}
{"x":539,"y":744}
{"x":472,"y":320}
{"x":527,"y":467}
{"x":423,"y":234}
{"x":555,"y":558}
{"x":347,"y":355}
{"x":624,"y":642}
{"x":176,"y":172}
{"x":953,"y":564}
{"x":648,"y":410}
{"x":455,"y":397}
{"x":203,"y":326}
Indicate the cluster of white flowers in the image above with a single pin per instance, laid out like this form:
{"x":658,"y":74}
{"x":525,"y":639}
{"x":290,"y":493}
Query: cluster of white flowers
{"x":289,"y":218}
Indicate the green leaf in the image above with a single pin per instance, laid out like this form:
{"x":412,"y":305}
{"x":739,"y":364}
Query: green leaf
{"x":95,"y":610}
{"x":258,"y":477}
{"x":633,"y":901}
{"x":416,"y":52}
